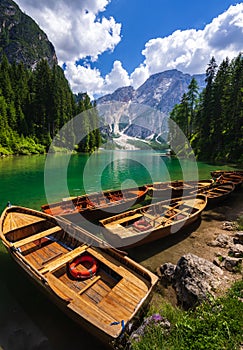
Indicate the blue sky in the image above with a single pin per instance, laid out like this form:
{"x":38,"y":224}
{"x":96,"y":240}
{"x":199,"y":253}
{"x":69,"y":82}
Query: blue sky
{"x":146,"y":19}
{"x":123,"y":42}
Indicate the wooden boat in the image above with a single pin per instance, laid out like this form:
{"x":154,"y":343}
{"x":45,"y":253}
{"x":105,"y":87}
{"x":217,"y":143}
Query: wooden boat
{"x":235,"y":176}
{"x":97,"y":205}
{"x":177,"y":188}
{"x":152,"y":222}
{"x":218,"y":192}
{"x":217,"y":173}
{"x":98,"y":286}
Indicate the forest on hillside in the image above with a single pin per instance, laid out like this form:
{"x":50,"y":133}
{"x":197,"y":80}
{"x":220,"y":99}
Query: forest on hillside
{"x":34,"y":105}
{"x":212,"y":120}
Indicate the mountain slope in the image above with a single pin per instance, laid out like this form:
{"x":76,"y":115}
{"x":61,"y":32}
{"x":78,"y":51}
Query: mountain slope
{"x":142,"y":113}
{"x":21,"y":39}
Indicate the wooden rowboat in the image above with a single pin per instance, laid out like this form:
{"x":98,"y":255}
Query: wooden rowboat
{"x":235,"y":176}
{"x":152,"y":222}
{"x":218,"y":192}
{"x":217,"y":173}
{"x":98,"y":286}
{"x":97,"y":205}
{"x":177,"y":188}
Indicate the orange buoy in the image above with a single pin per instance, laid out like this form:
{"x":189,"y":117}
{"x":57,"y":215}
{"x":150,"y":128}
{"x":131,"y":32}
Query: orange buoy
{"x":84,"y":273}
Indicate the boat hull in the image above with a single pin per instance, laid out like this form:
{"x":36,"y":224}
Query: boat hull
{"x":96,"y":206}
{"x":119,"y":231}
{"x":176,"y":189}
{"x":44,"y":247}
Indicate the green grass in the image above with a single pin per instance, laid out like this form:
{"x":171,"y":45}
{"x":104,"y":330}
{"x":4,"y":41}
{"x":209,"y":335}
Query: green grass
{"x":240,"y":223}
{"x":214,"y":325}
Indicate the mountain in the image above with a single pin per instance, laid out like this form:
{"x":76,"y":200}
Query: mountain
{"x":21,"y":39}
{"x":161,"y":91}
{"x":142,"y":113}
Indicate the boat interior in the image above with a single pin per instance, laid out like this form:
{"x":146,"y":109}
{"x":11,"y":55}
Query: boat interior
{"x":93,"y":200}
{"x":106,"y":298}
{"x":152,"y":216}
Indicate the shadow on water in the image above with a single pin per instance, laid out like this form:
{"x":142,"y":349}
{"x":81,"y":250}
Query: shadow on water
{"x":144,"y":252}
{"x":29,"y":321}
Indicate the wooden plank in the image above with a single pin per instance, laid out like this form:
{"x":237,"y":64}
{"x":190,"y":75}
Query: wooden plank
{"x":124,"y":219}
{"x":101,"y":321}
{"x":113,"y":307}
{"x":122,"y":300}
{"x":130,"y":288}
{"x":90,"y":284}
{"x":89,"y":311}
{"x":37,"y":236}
{"x":63,"y":259}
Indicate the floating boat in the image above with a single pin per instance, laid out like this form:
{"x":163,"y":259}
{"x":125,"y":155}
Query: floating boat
{"x":218,"y":192}
{"x":152,"y":222}
{"x":235,"y":176}
{"x":97,"y":205}
{"x":177,"y":188}
{"x":98,"y":286}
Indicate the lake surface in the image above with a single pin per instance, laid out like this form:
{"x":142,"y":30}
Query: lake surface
{"x":28,"y":320}
{"x":25,"y":179}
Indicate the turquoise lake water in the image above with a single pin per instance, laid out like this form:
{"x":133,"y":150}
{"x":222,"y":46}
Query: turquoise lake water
{"x":25,"y":179}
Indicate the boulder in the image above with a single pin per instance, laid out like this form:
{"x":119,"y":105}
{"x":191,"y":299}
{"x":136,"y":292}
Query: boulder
{"x":239,"y":237}
{"x":236,"y":251}
{"x":194,"y":279}
{"x":222,"y":241}
{"x":229,"y":226}
{"x":232,"y":264}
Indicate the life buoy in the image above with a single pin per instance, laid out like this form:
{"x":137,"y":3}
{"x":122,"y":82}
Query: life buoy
{"x":142,"y":225}
{"x":84,"y":273}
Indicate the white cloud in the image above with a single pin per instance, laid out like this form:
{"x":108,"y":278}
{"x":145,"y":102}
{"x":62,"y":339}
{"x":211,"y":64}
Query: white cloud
{"x":117,"y":77}
{"x":190,"y":50}
{"x":86,"y":79}
{"x":139,"y":75}
{"x":78,"y":31}
{"x":74,"y":26}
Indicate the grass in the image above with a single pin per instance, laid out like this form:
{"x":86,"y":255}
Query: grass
{"x":214,"y":325}
{"x":240,"y":223}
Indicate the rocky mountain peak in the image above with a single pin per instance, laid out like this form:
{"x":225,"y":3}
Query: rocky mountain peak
{"x":21,"y":39}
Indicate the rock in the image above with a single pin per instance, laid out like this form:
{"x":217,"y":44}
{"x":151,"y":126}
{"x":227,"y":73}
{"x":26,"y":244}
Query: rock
{"x":232,"y":264}
{"x":239,"y":237}
{"x":195,"y":279}
{"x":229,"y":226}
{"x":155,"y":319}
{"x":222,"y":241}
{"x":236,"y":251}
{"x":166,"y":272}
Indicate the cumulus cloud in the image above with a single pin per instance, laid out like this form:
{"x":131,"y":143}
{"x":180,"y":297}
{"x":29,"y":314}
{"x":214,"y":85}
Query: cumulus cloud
{"x":78,"y":31}
{"x":89,"y":80}
{"x":74,"y":27}
{"x":117,"y":77}
{"x":190,"y":50}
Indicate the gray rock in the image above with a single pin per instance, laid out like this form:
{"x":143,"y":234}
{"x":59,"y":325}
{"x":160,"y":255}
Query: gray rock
{"x":222,"y":241}
{"x":232,"y":264}
{"x":229,"y":226}
{"x":195,"y":279}
{"x":166,"y":272}
{"x":239,"y":237}
{"x":236,"y":251}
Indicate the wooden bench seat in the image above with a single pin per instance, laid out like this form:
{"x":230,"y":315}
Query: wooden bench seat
{"x":36,"y":236}
{"x":53,"y":265}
